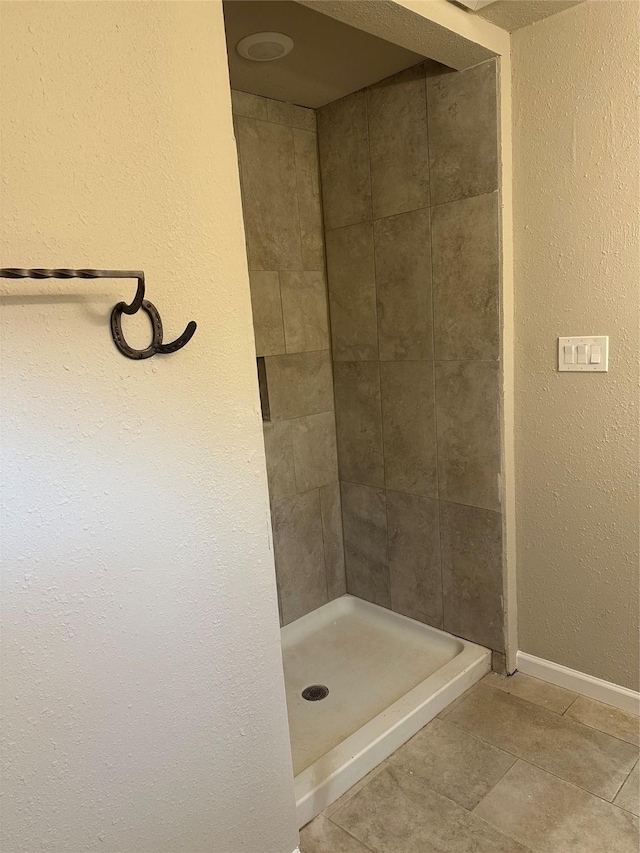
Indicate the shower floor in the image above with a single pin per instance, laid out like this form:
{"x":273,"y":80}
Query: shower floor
{"x":387,"y":676}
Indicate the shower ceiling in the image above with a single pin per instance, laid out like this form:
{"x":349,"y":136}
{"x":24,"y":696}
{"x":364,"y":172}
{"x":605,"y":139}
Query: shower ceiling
{"x":329,"y":60}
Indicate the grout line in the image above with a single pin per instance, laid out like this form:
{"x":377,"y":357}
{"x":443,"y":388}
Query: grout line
{"x":429,"y":206}
{"x":327,"y":291}
{"x":570,"y":705}
{"x":429,"y":498}
{"x":493,"y":787}
{"x":623,"y":784}
{"x":284,"y":328}
{"x":466,"y":198}
{"x":324,"y":542}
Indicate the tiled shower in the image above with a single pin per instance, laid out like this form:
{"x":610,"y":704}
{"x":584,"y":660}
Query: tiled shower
{"x":380,"y":371}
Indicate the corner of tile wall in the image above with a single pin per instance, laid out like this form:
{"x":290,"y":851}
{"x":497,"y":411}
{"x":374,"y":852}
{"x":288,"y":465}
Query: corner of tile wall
{"x":277,"y":152}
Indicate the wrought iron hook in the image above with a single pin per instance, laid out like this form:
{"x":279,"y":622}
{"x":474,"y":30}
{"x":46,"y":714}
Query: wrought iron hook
{"x":156,"y":345}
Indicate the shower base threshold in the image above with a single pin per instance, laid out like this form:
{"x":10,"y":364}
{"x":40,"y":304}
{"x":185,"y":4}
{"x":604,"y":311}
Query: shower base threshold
{"x":387,"y":677}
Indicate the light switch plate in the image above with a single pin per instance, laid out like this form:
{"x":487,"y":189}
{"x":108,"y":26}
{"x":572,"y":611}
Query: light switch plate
{"x":584,"y":353}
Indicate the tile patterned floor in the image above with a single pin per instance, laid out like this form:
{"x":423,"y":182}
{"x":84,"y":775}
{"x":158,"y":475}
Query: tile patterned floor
{"x":513,"y":766}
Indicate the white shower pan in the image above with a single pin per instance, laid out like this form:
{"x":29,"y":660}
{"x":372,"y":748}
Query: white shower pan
{"x":387,"y":677}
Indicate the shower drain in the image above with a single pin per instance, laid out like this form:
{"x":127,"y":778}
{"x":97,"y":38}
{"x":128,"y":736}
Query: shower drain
{"x":314,"y":692}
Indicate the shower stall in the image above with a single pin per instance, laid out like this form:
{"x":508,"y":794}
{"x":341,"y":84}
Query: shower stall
{"x":372,"y":229}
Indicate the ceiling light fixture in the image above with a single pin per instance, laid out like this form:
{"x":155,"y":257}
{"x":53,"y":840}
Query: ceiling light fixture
{"x":265,"y":47}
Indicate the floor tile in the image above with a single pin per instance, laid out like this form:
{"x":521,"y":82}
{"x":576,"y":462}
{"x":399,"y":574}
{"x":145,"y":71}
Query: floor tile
{"x":588,"y":758}
{"x":552,"y":816}
{"x":396,"y":813}
{"x":453,"y":763}
{"x":323,"y":836}
{"x":533,"y":690}
{"x":446,"y":711}
{"x":629,"y":796}
{"x":344,"y":799}
{"x":605,"y":718}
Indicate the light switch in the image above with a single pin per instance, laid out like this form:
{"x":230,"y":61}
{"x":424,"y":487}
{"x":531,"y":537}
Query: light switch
{"x":586,"y":352}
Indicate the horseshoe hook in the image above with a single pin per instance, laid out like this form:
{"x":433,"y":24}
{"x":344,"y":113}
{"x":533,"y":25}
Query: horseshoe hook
{"x":139,"y":302}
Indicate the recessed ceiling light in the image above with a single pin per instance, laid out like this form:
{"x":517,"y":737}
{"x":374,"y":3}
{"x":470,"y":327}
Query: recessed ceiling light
{"x":265,"y":47}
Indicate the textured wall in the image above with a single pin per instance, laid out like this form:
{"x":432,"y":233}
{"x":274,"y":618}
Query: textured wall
{"x":577,"y":171}
{"x":139,"y":603}
{"x":278,"y":156}
{"x":409,"y":181}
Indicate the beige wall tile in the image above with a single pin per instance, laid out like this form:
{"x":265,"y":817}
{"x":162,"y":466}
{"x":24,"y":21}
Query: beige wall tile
{"x":414,"y":557}
{"x":344,"y":161}
{"x":453,"y":763}
{"x":267,"y":163}
{"x":266,"y":306}
{"x":250,"y":106}
{"x":463,"y":133}
{"x":314,"y":450}
{"x":290,"y":114}
{"x":580,"y":755}
{"x":397,"y":112}
{"x":603,"y":717}
{"x":299,"y":384}
{"x":309,"y":204}
{"x":352,"y":293}
{"x":468,"y":432}
{"x":550,"y":815}
{"x":365,"y":543}
{"x":466,"y":279}
{"x":397,"y":813}
{"x":279,"y":454}
{"x":471,"y":541}
{"x":359,"y":422}
{"x":331,"y":507}
{"x":403,"y":286}
{"x":629,"y":796}
{"x":304,"y":309}
{"x":299,"y":554}
{"x":408,"y":417}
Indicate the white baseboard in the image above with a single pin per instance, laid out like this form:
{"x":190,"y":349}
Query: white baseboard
{"x":579,"y":682}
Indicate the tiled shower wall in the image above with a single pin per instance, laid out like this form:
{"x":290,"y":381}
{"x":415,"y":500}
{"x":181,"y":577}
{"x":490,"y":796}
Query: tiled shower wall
{"x":410,"y":196}
{"x":277,"y":152}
